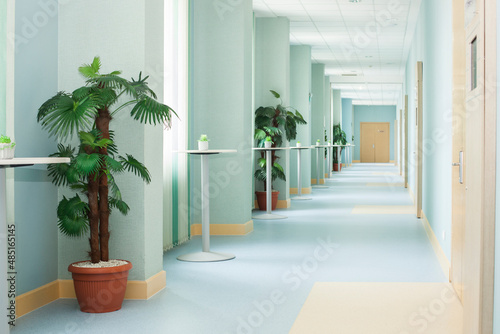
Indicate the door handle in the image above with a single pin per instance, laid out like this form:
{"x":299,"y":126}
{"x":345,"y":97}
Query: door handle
{"x":460,"y":165}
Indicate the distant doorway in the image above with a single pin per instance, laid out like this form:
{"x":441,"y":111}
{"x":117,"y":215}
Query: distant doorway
{"x":375,"y":142}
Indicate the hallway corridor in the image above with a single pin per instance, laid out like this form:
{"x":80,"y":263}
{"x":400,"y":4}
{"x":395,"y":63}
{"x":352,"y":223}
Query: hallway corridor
{"x":338,"y":236}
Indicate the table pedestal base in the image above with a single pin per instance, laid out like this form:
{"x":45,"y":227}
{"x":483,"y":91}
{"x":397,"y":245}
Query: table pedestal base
{"x":205,"y":257}
{"x":269,"y":216}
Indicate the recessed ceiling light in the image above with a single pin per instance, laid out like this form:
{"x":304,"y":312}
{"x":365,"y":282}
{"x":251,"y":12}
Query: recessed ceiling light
{"x":355,"y":1}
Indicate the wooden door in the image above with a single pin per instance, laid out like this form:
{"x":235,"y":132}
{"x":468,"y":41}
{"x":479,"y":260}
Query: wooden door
{"x":375,"y":142}
{"x":480,"y":165}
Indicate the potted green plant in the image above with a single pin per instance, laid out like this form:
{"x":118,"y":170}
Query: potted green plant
{"x":86,"y":113}
{"x":269,"y":142}
{"x":299,"y":144}
{"x":203,"y":143}
{"x":338,"y":138}
{"x":7,"y":147}
{"x":278,"y":123}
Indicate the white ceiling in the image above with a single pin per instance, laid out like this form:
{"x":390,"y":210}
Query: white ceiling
{"x":363,"y":45}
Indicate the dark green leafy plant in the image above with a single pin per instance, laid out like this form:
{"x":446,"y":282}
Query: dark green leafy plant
{"x":86,"y":113}
{"x":338,"y":138}
{"x":274,"y":122}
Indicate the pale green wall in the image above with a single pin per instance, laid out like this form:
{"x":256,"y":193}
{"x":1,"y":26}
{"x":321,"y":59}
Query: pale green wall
{"x":123,"y":44}
{"x":373,"y":114}
{"x":347,"y":119}
{"x":221,"y":103}
{"x":3,"y":63}
{"x":318,"y":117}
{"x":336,"y":108}
{"x":35,"y":198}
{"x":433,"y":45}
{"x":272,"y":71}
{"x":300,"y":87}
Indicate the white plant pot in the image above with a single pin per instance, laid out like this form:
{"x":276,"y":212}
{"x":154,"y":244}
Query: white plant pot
{"x":268,"y":144}
{"x":299,"y":144}
{"x":202,"y":145}
{"x":7,"y":150}
{"x":317,"y":144}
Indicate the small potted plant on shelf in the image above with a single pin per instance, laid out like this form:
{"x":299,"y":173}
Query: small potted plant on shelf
{"x":339,"y":138}
{"x":203,"y":143}
{"x":7,"y":147}
{"x":318,"y":142}
{"x":269,"y":142}
{"x":277,"y":123}
{"x":299,"y":144}
{"x":86,"y":114}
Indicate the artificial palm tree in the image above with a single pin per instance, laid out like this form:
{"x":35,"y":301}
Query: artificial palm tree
{"x":87,"y":113}
{"x":271,"y":122}
{"x":338,"y":138}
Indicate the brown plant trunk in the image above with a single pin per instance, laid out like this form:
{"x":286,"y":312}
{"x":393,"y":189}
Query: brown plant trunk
{"x":102,"y":124}
{"x":93,"y":185}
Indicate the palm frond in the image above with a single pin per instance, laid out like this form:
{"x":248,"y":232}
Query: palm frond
{"x":88,"y":164}
{"x":60,"y":172}
{"x":72,"y":216}
{"x":260,"y":134}
{"x":113,"y":165}
{"x":141,"y":86}
{"x":115,"y":191}
{"x":91,"y":70}
{"x":118,"y":204}
{"x":148,"y":110}
{"x":132,"y":165}
{"x":63,"y":115}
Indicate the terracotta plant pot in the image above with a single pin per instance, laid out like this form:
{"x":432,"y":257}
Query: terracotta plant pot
{"x":261,"y":200}
{"x":100,"y":290}
{"x":337,"y":167}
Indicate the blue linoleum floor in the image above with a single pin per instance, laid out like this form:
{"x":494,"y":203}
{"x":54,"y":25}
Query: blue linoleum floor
{"x":264,"y":288}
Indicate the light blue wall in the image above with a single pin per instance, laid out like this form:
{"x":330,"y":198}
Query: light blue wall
{"x":220,"y":106}
{"x":373,"y":114}
{"x":317,"y":117}
{"x":3,"y":64}
{"x":35,"y":196}
{"x":272,"y":71}
{"x":347,"y":118}
{"x":433,"y":45}
{"x":300,"y":87}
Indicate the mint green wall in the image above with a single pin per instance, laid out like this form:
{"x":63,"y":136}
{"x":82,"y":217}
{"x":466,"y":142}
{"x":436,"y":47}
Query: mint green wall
{"x":221,"y":107}
{"x":433,"y":45}
{"x":317,"y":117}
{"x":300,"y":87}
{"x":272,"y":71}
{"x":336,"y":108}
{"x":373,"y":114}
{"x":347,"y":119}
{"x":35,"y":197}
{"x":3,"y":63}
{"x":127,"y":45}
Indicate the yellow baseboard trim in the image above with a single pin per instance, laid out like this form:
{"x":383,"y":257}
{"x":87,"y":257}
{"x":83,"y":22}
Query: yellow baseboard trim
{"x":31,"y":300}
{"x":443,"y":260}
{"x":315,"y":181}
{"x":295,"y":191}
{"x":392,"y":161}
{"x":34,"y":299}
{"x":356,"y":161}
{"x":225,"y":229}
{"x":284,"y":204}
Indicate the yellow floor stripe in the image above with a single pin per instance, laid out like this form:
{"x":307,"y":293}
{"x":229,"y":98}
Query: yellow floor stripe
{"x":380,"y":308}
{"x":383,"y":210}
